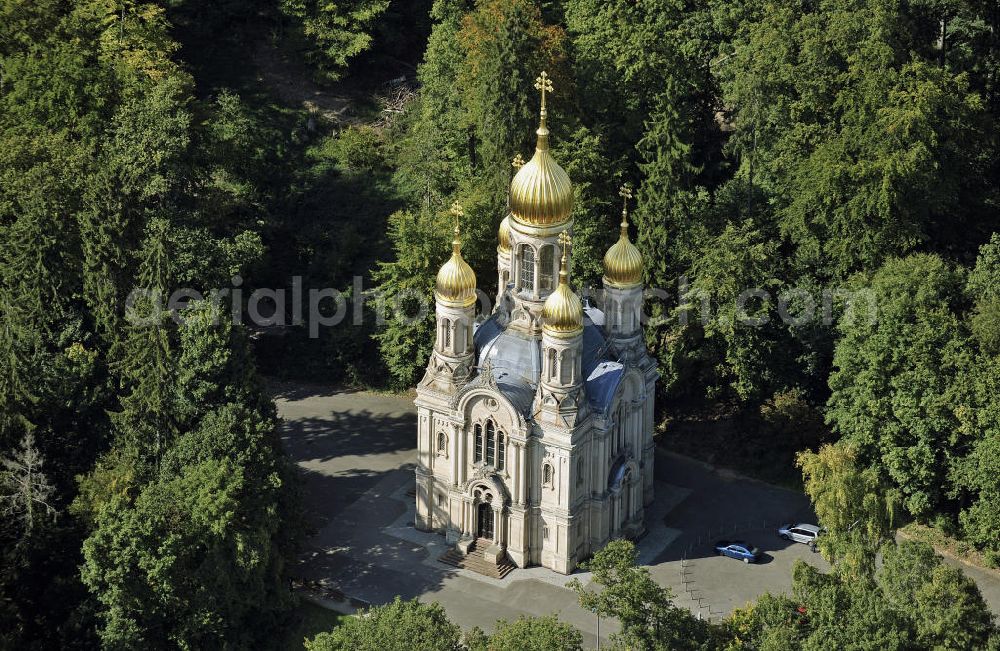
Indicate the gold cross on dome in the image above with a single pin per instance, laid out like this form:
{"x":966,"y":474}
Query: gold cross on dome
{"x":457,"y":212}
{"x":625,"y":193}
{"x":518,"y":162}
{"x":543,"y":84}
{"x":565,"y":239}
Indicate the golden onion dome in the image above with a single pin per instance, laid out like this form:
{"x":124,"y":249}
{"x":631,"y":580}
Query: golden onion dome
{"x":623,"y":262}
{"x":503,"y":235}
{"x":562,"y":314}
{"x":541,"y":193}
{"x":456,"y":281}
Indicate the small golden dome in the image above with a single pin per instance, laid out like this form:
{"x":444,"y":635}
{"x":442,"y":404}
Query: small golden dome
{"x":503,"y":235}
{"x":562,"y":314}
{"x":456,"y":281}
{"x":623,"y":262}
{"x":541,"y":193}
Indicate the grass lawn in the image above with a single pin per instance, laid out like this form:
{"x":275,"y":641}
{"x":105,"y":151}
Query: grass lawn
{"x":308,"y":620}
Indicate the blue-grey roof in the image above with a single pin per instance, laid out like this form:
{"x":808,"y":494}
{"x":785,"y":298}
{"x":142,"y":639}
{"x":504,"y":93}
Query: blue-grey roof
{"x":517,"y":362}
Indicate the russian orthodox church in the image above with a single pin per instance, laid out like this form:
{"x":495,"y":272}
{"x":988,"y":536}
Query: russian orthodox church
{"x":535,"y":424}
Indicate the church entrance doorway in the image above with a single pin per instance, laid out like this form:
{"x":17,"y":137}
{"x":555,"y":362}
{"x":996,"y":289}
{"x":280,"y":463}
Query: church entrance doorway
{"x":485,"y":521}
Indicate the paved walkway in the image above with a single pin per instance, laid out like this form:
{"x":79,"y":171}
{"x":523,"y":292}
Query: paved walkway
{"x":357,"y":452}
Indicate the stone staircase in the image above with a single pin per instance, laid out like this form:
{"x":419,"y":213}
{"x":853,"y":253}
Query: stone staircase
{"x":476,"y":560}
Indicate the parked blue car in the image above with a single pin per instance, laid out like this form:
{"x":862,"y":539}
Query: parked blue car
{"x":738,"y":549}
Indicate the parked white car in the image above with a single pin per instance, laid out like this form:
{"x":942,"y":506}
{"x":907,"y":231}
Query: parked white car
{"x":800,"y":533}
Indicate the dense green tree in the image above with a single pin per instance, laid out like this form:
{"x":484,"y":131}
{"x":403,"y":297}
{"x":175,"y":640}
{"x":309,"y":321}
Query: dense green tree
{"x":859,"y":137}
{"x":506,"y":44}
{"x":527,"y":634}
{"x":914,"y":600}
{"x":948,"y":610}
{"x":892,"y":372}
{"x":220,"y":578}
{"x":185,"y":566}
{"x":336,"y":31}
{"x":976,"y":392}
{"x":648,"y":617}
{"x":397,"y":625}
{"x":405,"y":287}
{"x":857,"y":509}
{"x":146,"y":424}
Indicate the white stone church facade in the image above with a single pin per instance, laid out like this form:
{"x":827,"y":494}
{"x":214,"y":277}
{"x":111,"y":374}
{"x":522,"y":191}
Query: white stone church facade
{"x":535,"y":424}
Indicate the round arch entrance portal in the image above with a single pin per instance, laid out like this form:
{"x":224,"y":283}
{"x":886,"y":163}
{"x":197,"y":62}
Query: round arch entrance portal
{"x":485,"y":520}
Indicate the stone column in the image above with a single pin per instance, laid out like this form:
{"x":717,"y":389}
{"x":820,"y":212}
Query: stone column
{"x":463,"y":455}
{"x":516,"y":487}
{"x":538,"y":268}
{"x":523,"y":479}
{"x":454,"y":447}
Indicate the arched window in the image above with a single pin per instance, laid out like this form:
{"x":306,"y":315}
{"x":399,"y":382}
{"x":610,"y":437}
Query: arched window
{"x":552,"y":363}
{"x":442,"y":442}
{"x":546,"y":269}
{"x":445,"y":334}
{"x":527,"y":268}
{"x":566,"y":366}
{"x":501,"y":450}
{"x":479,"y":443}
{"x":491,"y":449}
{"x":546,"y":475}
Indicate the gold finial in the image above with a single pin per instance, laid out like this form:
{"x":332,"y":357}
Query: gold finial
{"x":625,"y":193}
{"x":518,"y":162}
{"x":457,"y":212}
{"x":543,"y":84}
{"x":566,"y":242}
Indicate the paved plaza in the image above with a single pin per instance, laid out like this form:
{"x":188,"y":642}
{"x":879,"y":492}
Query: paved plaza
{"x":357,"y":451}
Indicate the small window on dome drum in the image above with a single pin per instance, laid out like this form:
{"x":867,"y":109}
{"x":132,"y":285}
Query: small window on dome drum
{"x":527,"y":268}
{"x":546,"y":271}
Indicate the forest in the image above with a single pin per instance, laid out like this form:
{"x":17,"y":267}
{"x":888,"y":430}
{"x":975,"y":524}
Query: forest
{"x":808,"y":150}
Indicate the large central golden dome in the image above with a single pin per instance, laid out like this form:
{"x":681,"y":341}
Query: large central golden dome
{"x":541,"y":193}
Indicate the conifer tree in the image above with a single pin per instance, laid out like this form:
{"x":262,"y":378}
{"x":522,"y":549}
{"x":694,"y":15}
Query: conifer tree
{"x":145,"y":359}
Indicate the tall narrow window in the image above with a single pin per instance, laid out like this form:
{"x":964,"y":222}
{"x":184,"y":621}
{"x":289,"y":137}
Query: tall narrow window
{"x":579,"y":472}
{"x":442,"y":442}
{"x":552,"y":363}
{"x":491,"y":449}
{"x":621,"y":425}
{"x":546,"y":268}
{"x":479,"y":443}
{"x":501,"y":450}
{"x":546,"y":474}
{"x":527,"y":268}
{"x":445,"y":334}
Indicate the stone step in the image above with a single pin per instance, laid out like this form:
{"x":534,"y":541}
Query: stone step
{"x":475,"y":562}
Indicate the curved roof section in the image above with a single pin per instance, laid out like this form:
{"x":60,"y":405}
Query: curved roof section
{"x":516,"y":361}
